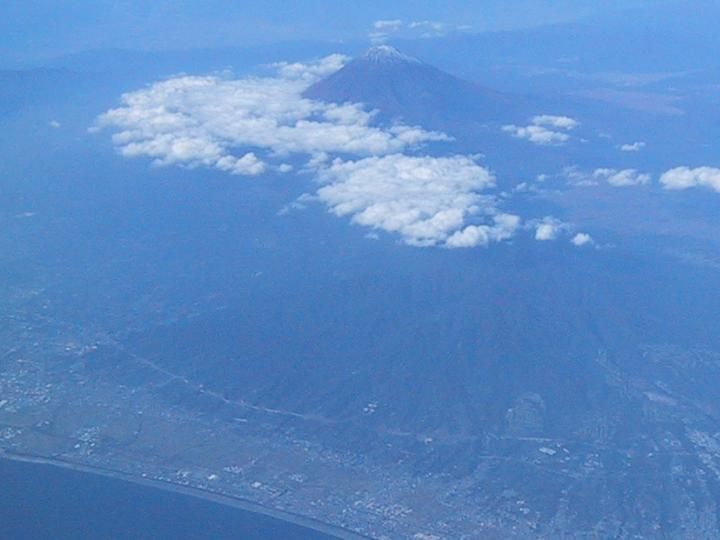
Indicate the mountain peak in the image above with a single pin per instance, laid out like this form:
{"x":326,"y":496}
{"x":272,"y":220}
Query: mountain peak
{"x":402,"y":87}
{"x":385,"y":54}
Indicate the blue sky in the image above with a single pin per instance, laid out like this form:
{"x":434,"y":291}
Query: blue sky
{"x":32,"y":29}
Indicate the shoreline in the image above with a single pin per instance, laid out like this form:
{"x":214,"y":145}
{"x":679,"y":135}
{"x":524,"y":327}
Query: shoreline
{"x":200,"y":493}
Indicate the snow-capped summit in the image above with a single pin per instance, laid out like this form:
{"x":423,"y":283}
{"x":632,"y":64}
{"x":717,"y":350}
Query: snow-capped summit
{"x":400,"y":86}
{"x":385,"y":54}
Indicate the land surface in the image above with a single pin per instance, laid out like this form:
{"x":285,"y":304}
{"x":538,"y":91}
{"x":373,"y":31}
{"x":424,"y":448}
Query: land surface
{"x":67,"y":398}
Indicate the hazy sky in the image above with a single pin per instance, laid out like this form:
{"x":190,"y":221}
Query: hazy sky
{"x":31,"y":29}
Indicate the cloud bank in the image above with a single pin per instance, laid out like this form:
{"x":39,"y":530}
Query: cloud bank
{"x":251,"y":126}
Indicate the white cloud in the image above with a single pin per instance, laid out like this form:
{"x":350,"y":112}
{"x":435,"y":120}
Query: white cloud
{"x":394,"y":24}
{"x":544,"y":130}
{"x":430,"y":29}
{"x":685,"y":178}
{"x":502,"y":228}
{"x":582,"y":239}
{"x":235,"y":125}
{"x":557,"y":122}
{"x":55,"y":124}
{"x":537,"y":134}
{"x":383,"y":30}
{"x":577,"y":177}
{"x":251,"y":125}
{"x":427,"y":200}
{"x":548,"y":229}
{"x":623,"y":178}
{"x":313,"y":71}
{"x":248,"y":165}
{"x":614,"y":177}
{"x":634,"y":147}
{"x":285,"y":168}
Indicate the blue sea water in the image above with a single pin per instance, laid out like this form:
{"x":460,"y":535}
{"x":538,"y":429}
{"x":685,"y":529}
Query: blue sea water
{"x":45,"y":502}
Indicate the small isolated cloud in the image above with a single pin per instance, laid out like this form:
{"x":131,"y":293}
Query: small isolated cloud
{"x":544,"y":130}
{"x":391,"y":25}
{"x":685,"y":178}
{"x":427,"y":200}
{"x":548,"y":229}
{"x":614,"y":177}
{"x":557,"y":122}
{"x":285,"y":168}
{"x":582,"y":239}
{"x":55,"y":124}
{"x":431,"y":29}
{"x":634,"y":147}
{"x":383,"y":30}
{"x":623,"y":178}
{"x":537,"y":135}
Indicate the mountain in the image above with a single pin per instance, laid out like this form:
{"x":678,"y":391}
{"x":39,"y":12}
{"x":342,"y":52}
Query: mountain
{"x":400,"y":86}
{"x":170,"y":322}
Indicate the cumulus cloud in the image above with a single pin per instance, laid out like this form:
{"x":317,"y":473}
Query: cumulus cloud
{"x":685,"y":178}
{"x":582,"y":239}
{"x":548,"y":229}
{"x":622,"y":178}
{"x":544,"y":130}
{"x":427,"y":200}
{"x":235,"y":125}
{"x":252,"y":125}
{"x":502,"y":228}
{"x":634,"y":147}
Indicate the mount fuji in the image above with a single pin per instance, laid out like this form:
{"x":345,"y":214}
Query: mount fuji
{"x":402,"y":87}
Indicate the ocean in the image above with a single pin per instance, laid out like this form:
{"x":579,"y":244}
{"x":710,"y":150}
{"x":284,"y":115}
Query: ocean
{"x":39,"y":501}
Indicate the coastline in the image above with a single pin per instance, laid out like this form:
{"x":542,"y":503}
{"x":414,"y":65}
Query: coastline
{"x":226,"y":500}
